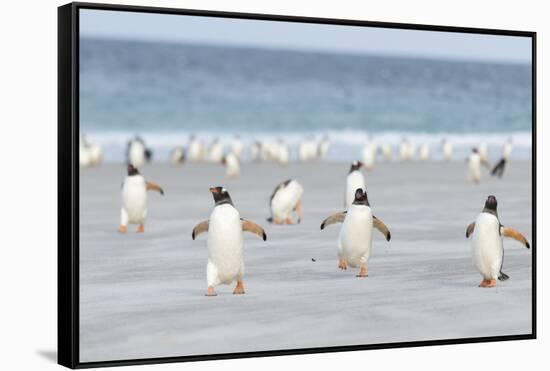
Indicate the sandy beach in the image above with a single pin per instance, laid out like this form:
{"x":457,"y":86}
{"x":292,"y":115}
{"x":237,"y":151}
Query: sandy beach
{"x":142,"y":295}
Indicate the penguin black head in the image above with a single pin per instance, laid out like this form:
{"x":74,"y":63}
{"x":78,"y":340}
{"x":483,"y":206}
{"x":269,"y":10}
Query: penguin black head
{"x":474,"y":150}
{"x":132,"y":170}
{"x":360,"y":197}
{"x":491,"y":203}
{"x":355,"y":165}
{"x":221,"y":196}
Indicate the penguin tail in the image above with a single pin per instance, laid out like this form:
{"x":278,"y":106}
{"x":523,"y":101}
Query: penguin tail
{"x":503,"y":276}
{"x":270,"y":219}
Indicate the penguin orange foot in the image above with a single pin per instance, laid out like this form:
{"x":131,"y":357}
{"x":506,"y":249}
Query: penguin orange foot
{"x":488,"y":283}
{"x":239,"y":289}
{"x":288,"y":221}
{"x":210,"y":291}
{"x":122,"y":229}
{"x":362,"y":272}
{"x":342,"y":264}
{"x":141,"y":228}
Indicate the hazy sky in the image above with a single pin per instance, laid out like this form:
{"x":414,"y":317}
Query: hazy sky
{"x":303,"y":36}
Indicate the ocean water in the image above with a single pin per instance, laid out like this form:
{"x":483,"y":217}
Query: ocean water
{"x":165,"y":92}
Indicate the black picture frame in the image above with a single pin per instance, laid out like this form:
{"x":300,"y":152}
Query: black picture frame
{"x":68,"y":183}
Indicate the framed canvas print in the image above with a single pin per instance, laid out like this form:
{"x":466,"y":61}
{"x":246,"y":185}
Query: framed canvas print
{"x":242,"y":185}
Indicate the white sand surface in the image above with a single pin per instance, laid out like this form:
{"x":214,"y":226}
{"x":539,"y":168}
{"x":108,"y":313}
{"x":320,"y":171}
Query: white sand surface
{"x":142,"y":295}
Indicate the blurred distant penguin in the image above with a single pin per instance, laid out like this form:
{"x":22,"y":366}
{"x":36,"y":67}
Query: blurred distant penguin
{"x":307,"y":150}
{"x":283,"y":155}
{"x":355,"y":238}
{"x":194,"y":149}
{"x":354,"y":180}
{"x":404,"y":150}
{"x":255,"y":149}
{"x":498,"y":170}
{"x":386,"y":150}
{"x":84,"y":156}
{"x":134,"y":199}
{"x":483,"y":154}
{"x":474,"y":166}
{"x":324,"y":147}
{"x":425,"y":152}
{"x":232,"y":165}
{"x":369,"y":155}
{"x":225,"y":242}
{"x":447,"y":150}
{"x":286,"y":200}
{"x":488,"y":250}
{"x":177,"y":157}
{"x":216,"y":151}
{"x":237,"y":146}
{"x":136,"y":153}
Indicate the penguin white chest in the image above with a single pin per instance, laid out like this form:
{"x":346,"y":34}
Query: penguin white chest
{"x":487,"y":246}
{"x":355,"y":240}
{"x":225,"y":243}
{"x":354,"y":180}
{"x":474,"y":167}
{"x":134,"y":198}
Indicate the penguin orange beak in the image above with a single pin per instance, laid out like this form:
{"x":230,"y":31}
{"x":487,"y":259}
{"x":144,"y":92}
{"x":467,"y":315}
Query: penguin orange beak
{"x":213,"y":190}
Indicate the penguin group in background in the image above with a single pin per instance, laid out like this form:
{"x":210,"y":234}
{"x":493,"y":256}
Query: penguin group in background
{"x":177,"y":157}
{"x":134,"y":199}
{"x":285,"y":201}
{"x":225,"y":242}
{"x":498,"y":170}
{"x":447,"y":150}
{"x":488,"y":251}
{"x":354,"y":180}
{"x":232,"y":165}
{"x":137,"y":153}
{"x":355,"y":238}
{"x":406,"y":150}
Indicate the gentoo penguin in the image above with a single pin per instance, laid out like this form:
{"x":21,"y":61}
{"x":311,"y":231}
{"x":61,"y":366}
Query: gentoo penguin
{"x":255,"y":150}
{"x":324,"y":146}
{"x":424,"y":152}
{"x":474,"y":166}
{"x":216,"y":151}
{"x":447,"y":150}
{"x":177,"y":156}
{"x":307,"y":150}
{"x":232,"y":165}
{"x":354,"y":180}
{"x":286,"y":200}
{"x":283,"y":155}
{"x":134,"y":199}
{"x":355,"y":239}
{"x":194,"y":149}
{"x":404,"y":150}
{"x":488,"y":250}
{"x":369,"y":155}
{"x":137,"y":153}
{"x":225,"y":242}
{"x":498,"y":170}
{"x":237,"y":146}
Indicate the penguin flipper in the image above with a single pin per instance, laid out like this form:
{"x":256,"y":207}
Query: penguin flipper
{"x":200,"y":228}
{"x":249,"y":226}
{"x":378,"y":224}
{"x":512,"y":233}
{"x":154,"y":187}
{"x":333,"y":219}
{"x":503,"y":276}
{"x":470,"y":229}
